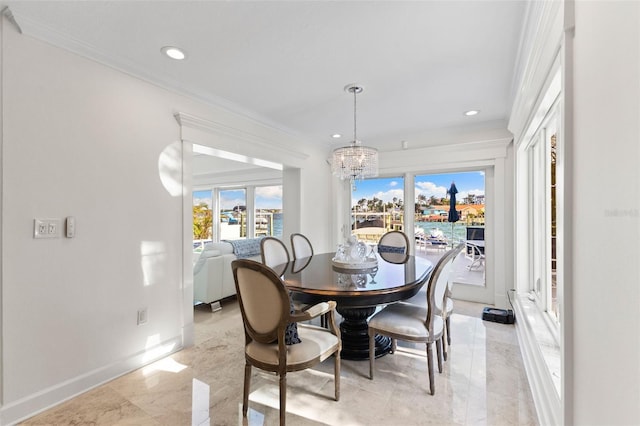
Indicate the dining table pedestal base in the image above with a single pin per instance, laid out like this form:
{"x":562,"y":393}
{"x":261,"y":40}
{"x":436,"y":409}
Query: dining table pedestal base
{"x":354,"y":331}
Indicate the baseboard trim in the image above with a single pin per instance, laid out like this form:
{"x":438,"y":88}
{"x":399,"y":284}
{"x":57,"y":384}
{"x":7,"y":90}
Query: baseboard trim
{"x":31,"y":405}
{"x":545,"y":396}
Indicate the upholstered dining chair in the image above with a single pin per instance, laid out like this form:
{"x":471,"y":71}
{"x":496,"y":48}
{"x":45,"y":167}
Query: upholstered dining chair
{"x":265,"y":308}
{"x":273,"y":252}
{"x":414,"y":323}
{"x":394,"y":242}
{"x":444,"y":304}
{"x":301,"y":246}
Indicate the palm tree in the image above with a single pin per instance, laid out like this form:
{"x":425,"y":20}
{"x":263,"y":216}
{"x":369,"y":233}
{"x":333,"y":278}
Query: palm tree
{"x":202,"y":222}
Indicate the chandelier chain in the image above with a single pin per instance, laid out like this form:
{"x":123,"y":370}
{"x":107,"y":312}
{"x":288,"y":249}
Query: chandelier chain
{"x":355,"y":136}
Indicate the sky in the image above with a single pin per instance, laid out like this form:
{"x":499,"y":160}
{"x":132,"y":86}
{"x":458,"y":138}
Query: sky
{"x":435,"y":184}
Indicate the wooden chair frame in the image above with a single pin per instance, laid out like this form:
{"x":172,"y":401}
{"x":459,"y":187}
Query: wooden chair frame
{"x":272,"y":335}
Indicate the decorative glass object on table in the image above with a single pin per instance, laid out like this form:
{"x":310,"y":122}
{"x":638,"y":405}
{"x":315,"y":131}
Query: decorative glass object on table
{"x":354,"y":254}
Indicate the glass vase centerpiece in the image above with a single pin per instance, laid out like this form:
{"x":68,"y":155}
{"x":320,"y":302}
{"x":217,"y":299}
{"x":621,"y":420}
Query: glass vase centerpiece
{"x":354,"y":254}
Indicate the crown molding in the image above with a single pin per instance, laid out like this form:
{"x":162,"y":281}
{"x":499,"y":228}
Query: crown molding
{"x":63,"y":40}
{"x":463,"y":156}
{"x":235,"y":133}
{"x":5,"y":11}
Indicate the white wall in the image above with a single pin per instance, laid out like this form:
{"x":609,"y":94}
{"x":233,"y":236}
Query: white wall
{"x":606,"y":198}
{"x":81,"y":139}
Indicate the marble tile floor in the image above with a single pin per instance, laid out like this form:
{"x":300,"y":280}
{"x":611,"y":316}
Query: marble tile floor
{"x":483,"y":383}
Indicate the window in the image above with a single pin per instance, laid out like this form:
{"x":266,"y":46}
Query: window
{"x":233,"y":214}
{"x":377,"y":206}
{"x":538,"y":233}
{"x":202,"y":218}
{"x":268,"y":211}
{"x":543,"y":231}
{"x":432,"y":205}
{"x":233,"y":220}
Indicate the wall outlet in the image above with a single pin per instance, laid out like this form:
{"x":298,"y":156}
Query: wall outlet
{"x":46,"y":228}
{"x":142,"y":316}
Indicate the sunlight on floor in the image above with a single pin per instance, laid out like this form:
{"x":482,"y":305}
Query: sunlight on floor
{"x":167,"y":364}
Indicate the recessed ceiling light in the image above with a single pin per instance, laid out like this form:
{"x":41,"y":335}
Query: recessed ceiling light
{"x":174,"y":52}
{"x":472,"y":112}
{"x":336,"y":135}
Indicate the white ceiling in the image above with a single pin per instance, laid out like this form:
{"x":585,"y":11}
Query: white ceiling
{"x":422,"y":63}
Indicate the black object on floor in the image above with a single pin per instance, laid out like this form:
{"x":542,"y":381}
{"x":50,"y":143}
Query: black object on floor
{"x":503,"y":316}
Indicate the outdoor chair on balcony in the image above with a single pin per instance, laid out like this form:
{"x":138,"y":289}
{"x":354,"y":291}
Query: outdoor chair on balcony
{"x":268,"y":324}
{"x":477,"y":258}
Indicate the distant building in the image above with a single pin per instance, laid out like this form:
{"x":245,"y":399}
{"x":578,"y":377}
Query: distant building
{"x":473,"y":199}
{"x":440,"y":213}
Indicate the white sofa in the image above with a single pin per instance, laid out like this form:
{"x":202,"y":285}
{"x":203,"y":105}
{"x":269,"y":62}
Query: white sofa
{"x":212,"y":275}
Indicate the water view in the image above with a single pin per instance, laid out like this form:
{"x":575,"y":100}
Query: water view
{"x":458,"y":230}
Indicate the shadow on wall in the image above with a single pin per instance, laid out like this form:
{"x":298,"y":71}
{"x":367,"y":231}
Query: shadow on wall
{"x":170,"y":169}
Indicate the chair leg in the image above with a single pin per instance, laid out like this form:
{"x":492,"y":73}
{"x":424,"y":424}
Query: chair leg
{"x":372,"y":352}
{"x":446,"y":323}
{"x":336,"y":373}
{"x":439,"y":344}
{"x":444,"y":345}
{"x":283,"y":398}
{"x":247,"y":382}
{"x":430,"y":367}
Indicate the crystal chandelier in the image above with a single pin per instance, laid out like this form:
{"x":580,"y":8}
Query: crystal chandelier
{"x":354,"y":162}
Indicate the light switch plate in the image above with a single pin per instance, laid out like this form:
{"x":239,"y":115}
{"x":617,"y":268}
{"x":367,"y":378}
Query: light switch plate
{"x":71,"y":227}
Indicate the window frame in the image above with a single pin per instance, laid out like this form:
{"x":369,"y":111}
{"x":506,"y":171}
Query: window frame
{"x":250,"y":203}
{"x":540,"y":229}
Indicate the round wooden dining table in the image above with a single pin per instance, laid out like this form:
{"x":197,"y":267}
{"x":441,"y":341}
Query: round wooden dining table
{"x":357,"y":292}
